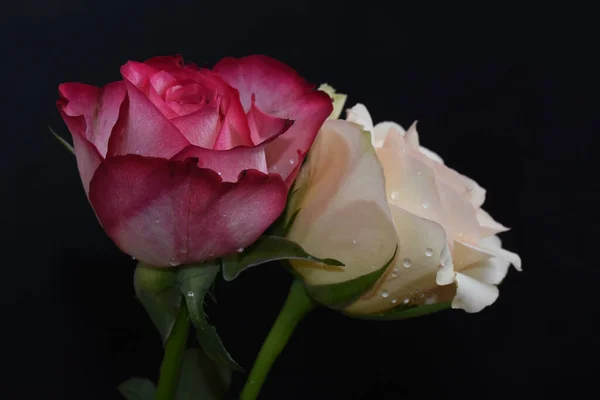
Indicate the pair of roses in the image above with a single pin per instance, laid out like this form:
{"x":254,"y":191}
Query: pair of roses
{"x":185,"y":165}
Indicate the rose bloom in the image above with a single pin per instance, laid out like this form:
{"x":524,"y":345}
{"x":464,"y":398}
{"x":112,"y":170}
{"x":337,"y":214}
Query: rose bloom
{"x":183,"y":164}
{"x":362,"y":195}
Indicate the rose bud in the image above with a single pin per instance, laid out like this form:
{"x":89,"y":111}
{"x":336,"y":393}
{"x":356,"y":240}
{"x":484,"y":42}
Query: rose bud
{"x":182,"y":164}
{"x":374,"y":199}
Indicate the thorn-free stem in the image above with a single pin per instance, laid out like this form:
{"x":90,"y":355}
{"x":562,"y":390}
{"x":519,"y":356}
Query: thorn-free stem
{"x":174,"y":350}
{"x":297,"y":305}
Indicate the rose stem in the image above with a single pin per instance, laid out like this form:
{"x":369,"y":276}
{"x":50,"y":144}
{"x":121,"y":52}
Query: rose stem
{"x":174,"y":349}
{"x":296,"y":306}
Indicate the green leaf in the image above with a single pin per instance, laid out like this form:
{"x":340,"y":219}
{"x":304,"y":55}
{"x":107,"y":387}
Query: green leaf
{"x":267,"y":249}
{"x":201,"y":378}
{"x":157,"y":291}
{"x":339,"y":294}
{"x":62,"y":141}
{"x":137,"y":389}
{"x":404,"y":312}
{"x":194,"y":283}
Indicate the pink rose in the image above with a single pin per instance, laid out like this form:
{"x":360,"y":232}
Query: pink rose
{"x":183,"y":164}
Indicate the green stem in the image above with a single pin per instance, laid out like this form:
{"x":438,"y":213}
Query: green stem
{"x":174,"y":349}
{"x":296,"y":306}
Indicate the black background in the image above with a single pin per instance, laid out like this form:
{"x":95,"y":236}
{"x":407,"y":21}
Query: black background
{"x":506,"y":95}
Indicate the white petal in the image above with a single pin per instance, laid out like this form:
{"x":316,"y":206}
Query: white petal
{"x":412,"y":136}
{"x":431,"y":155}
{"x":473,"y":295}
{"x":486,"y":221}
{"x":383,"y":129}
{"x":360,"y":115}
{"x":423,"y":248}
{"x":343,"y":210}
{"x":491,"y":271}
{"x":492,"y":250}
{"x":462,"y":184}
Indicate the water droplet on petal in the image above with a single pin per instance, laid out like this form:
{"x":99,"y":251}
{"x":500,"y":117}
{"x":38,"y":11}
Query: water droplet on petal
{"x":137,"y":152}
{"x":428,"y":252}
{"x":385,"y":294}
{"x":220,"y":174}
{"x":425,"y":205}
{"x":460,"y":234}
{"x":183,"y":250}
{"x":419,"y":173}
{"x":292,"y":162}
{"x":157,"y":220}
{"x":394,"y":301}
{"x":132,"y":257}
{"x":240,"y":249}
{"x":274,"y":168}
{"x":395,"y":273}
{"x":211,"y":255}
{"x":172,"y":262}
{"x":190,"y":294}
{"x":354,"y":241}
{"x":406,"y":301}
{"x":395,"y":195}
{"x":407,"y":263}
{"x":404,"y":150}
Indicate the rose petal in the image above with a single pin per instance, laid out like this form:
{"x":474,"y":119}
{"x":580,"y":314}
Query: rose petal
{"x":227,"y":163}
{"x":381,"y":131}
{"x":286,"y":153}
{"x":473,"y":295}
{"x":98,"y":106}
{"x":172,"y":212}
{"x":274,"y":85}
{"x":143,"y":129}
{"x":488,"y":223}
{"x":360,"y":115}
{"x":165,"y":63}
{"x":343,"y":212}
{"x":488,"y":246}
{"x":264,"y":127}
{"x":417,"y":269}
{"x":202,"y":127}
{"x":411,"y":136}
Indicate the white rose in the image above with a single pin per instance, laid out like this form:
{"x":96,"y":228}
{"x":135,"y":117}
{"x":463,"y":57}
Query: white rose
{"x":364,"y":195}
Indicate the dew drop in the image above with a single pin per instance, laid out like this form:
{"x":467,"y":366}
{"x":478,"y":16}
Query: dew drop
{"x":419,"y":173}
{"x":354,"y":241}
{"x":395,"y":273}
{"x":407,"y":263}
{"x":220,"y":174}
{"x":292,"y":162}
{"x":157,"y":220}
{"x":211,"y":255}
{"x":172,"y":262}
{"x":404,"y":150}
{"x":240,"y":249}
{"x":406,"y":300}
{"x":428,"y":252}
{"x":190,"y":294}
{"x":395,"y":195}
{"x":460,"y":234}
{"x":132,"y":257}
{"x":425,"y":205}
{"x":274,"y":168}
{"x":394,"y":301}
{"x":137,"y":152}
{"x":385,"y":294}
{"x":183,"y":250}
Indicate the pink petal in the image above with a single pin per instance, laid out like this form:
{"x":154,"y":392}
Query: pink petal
{"x":264,"y":127}
{"x":144,"y":130}
{"x":227,"y":163}
{"x":200,"y":128}
{"x":172,"y":212}
{"x":165,"y":63}
{"x":99,"y":108}
{"x":234,"y":130}
{"x":286,"y":153}
{"x":274,"y":84}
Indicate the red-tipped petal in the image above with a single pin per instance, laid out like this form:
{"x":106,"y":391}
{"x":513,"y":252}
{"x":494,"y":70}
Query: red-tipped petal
{"x":172,"y":212}
{"x":274,"y":84}
{"x":143,"y":129}
{"x":286,"y":153}
{"x":264,"y":127}
{"x":227,"y":163}
{"x":98,"y":107}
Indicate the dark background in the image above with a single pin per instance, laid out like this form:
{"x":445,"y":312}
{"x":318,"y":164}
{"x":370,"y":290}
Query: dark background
{"x":506,"y":95}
